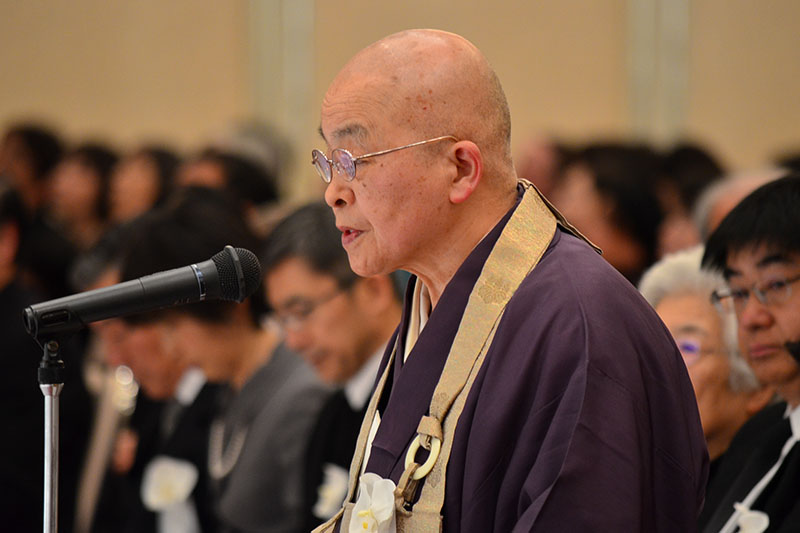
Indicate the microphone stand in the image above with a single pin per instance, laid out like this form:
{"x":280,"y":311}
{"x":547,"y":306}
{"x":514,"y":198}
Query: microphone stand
{"x":51,"y":381}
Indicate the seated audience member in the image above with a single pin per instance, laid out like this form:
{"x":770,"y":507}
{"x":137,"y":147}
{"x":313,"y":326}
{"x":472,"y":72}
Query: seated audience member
{"x":141,"y":181}
{"x":340,"y":323}
{"x":686,"y":169}
{"x":78,"y":193}
{"x":22,"y":445}
{"x":608,"y":192}
{"x":258,"y":439}
{"x":717,"y":200}
{"x":257,"y":141}
{"x":242,"y":177}
{"x":123,"y":442}
{"x":757,"y":248}
{"x":28,"y":154}
{"x":727,"y":391}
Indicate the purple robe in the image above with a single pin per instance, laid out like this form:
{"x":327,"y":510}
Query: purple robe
{"x":582,"y":417}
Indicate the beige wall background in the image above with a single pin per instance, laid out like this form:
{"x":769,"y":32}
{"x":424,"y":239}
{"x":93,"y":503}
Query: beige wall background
{"x":724,"y":72}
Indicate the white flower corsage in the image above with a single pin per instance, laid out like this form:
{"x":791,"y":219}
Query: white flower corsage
{"x":332,"y":492}
{"x":374,"y":509}
{"x":751,"y":521}
{"x":167,"y":481}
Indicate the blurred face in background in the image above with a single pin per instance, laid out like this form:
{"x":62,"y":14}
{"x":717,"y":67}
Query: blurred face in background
{"x":16,"y":163}
{"x":143,"y":348}
{"x":696,"y":327}
{"x":74,"y":189}
{"x":330,"y":326}
{"x":203,"y":345}
{"x":201,"y":173}
{"x":578,"y":199}
{"x":134,"y":188}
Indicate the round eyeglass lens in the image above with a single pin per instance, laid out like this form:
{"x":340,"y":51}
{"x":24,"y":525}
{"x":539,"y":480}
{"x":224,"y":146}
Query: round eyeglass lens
{"x":322,"y":165}
{"x":345,"y":163}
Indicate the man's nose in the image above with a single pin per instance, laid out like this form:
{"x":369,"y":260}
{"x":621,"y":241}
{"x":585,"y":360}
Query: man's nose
{"x":339,"y":192}
{"x":755,"y":314}
{"x":297,"y":339}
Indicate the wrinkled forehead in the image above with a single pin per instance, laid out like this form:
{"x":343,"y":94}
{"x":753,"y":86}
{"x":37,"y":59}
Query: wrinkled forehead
{"x":356,"y":109}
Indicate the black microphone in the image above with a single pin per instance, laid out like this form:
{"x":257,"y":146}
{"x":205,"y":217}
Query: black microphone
{"x":232,"y":275}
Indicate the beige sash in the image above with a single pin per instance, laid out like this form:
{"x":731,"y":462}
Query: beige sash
{"x":519,"y":248}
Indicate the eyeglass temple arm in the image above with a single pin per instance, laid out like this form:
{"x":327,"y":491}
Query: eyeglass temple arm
{"x":390,"y":150}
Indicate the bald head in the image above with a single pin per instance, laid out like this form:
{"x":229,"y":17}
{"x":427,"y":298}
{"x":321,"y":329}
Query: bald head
{"x":432,"y":83}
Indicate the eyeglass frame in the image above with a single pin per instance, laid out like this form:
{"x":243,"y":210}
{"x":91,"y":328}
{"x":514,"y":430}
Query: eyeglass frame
{"x":718,"y":296}
{"x":316,"y":155}
{"x":690,"y":358}
{"x":295,"y":321}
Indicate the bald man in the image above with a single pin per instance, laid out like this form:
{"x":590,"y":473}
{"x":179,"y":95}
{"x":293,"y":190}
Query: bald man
{"x":528,"y":386}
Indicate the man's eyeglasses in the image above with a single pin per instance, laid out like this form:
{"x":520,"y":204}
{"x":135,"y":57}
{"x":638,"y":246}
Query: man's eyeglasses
{"x":345,"y":164}
{"x":299,"y":311}
{"x":773,"y":292}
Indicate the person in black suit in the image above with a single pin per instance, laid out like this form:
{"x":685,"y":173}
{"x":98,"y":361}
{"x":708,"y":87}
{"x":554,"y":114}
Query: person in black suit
{"x":22,"y":448}
{"x":757,"y":247}
{"x":340,"y":323}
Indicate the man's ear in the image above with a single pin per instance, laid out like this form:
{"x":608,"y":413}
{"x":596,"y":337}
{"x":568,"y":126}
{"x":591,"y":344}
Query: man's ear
{"x":469,"y":170}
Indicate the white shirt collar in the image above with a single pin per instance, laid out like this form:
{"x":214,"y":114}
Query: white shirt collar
{"x":358,"y":388}
{"x":420,"y":311}
{"x":189,"y":386}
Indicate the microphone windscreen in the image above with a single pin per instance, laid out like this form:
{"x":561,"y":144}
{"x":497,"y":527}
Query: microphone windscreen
{"x":228,"y":278}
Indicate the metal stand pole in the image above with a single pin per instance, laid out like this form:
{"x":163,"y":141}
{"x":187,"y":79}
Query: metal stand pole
{"x":51,"y":381}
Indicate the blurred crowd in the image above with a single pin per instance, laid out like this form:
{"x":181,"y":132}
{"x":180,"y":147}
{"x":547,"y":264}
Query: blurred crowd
{"x":221,"y":417}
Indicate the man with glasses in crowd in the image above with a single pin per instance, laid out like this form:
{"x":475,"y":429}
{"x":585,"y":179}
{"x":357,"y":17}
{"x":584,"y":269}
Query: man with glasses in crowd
{"x":340,"y":323}
{"x":757,"y":248}
{"x":528,"y":387}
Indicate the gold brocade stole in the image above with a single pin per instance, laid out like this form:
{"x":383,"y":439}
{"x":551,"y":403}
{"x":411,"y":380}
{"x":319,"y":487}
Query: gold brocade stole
{"x":517,"y":251}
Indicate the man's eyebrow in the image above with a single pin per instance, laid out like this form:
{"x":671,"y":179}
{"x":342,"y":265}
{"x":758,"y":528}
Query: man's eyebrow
{"x":728,"y":273}
{"x":772,"y":259}
{"x":356,"y":131}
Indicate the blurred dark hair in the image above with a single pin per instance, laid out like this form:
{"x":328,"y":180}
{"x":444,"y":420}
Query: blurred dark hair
{"x":690,"y":168}
{"x":191,"y":227}
{"x":768,"y":216}
{"x":166,"y":162}
{"x":101,"y":160}
{"x":309,"y":233}
{"x":12,"y":211}
{"x":789,"y":161}
{"x":249,"y":181}
{"x":104,"y":254}
{"x":626,"y":174}
{"x":43,"y":145}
